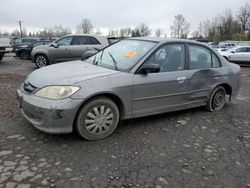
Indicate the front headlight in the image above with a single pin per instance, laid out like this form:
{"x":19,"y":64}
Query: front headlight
{"x":57,"y":92}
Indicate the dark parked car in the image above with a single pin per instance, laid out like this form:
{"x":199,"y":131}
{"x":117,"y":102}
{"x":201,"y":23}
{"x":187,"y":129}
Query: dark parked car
{"x":22,"y":41}
{"x":24,"y":51}
{"x":131,"y":78}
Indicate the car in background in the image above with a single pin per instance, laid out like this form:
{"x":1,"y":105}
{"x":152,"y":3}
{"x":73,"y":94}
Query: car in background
{"x":68,"y":48}
{"x":5,"y":47}
{"x":24,"y":51}
{"x":23,"y":41}
{"x":131,"y":78}
{"x":240,"y":54}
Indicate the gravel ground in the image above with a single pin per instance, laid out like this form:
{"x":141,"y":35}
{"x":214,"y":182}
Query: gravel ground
{"x":192,"y":148}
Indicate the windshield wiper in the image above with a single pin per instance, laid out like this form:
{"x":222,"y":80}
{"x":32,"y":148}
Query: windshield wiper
{"x":114,"y":61}
{"x":100,"y":59}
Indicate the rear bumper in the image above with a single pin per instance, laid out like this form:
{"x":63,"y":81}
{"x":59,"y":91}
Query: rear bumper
{"x":51,"y":116}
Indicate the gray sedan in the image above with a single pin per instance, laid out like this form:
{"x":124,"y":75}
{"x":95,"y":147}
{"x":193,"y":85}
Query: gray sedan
{"x":132,"y":78}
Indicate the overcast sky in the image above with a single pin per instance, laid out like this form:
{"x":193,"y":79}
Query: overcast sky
{"x":36,"y":14}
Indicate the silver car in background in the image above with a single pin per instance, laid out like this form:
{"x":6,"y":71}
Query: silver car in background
{"x":240,"y":54}
{"x":68,"y":48}
{"x":131,"y":78}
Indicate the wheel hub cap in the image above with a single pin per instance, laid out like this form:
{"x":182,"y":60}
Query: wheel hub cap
{"x":98,"y":120}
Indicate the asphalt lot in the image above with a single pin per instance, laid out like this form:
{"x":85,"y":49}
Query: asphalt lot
{"x":192,"y":148}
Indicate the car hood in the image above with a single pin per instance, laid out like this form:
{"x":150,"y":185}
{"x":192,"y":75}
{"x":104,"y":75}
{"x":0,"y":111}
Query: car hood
{"x":40,"y":47}
{"x":67,"y":73}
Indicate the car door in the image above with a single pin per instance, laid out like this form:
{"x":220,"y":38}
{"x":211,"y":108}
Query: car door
{"x":81,"y":44}
{"x":206,"y":72}
{"x":163,"y":91}
{"x":247,"y":55}
{"x":61,"y":51}
{"x":238,"y":54}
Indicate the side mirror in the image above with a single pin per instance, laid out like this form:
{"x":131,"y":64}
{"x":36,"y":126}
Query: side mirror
{"x":54,"y":45}
{"x":232,"y":52}
{"x":149,"y":68}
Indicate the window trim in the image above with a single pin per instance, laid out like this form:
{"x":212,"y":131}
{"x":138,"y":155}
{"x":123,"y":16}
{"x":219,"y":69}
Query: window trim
{"x":202,"y":46}
{"x":160,"y":46}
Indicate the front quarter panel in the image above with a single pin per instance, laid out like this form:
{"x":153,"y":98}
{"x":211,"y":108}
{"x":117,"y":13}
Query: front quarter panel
{"x":119,"y":84}
{"x":39,"y":50}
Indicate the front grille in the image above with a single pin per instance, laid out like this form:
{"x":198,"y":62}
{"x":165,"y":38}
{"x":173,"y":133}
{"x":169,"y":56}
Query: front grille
{"x":2,"y":48}
{"x":28,"y":88}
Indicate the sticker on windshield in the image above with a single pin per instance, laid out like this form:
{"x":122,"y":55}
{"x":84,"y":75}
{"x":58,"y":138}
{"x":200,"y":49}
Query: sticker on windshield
{"x":130,"y":54}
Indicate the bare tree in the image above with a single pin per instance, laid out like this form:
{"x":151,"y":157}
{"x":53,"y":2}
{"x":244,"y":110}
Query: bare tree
{"x":180,"y":27}
{"x":15,"y":32}
{"x":142,"y":30}
{"x":59,"y":30}
{"x":113,"y":32}
{"x":158,"y":32}
{"x":125,"y":32}
{"x":98,"y":32}
{"x":85,"y":26}
{"x":196,"y":34}
{"x":6,"y":33}
{"x":205,"y":28}
{"x":244,"y":17}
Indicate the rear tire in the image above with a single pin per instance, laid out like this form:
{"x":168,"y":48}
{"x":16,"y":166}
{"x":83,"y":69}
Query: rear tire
{"x":217,"y":99}
{"x":97,"y":119}
{"x":41,"y":60}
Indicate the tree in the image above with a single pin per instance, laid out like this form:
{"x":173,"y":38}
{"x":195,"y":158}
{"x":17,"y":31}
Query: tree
{"x":113,"y":32}
{"x":85,"y":26}
{"x":98,"y":32}
{"x":244,"y":17}
{"x":125,"y":32}
{"x":24,"y":32}
{"x":6,"y":33}
{"x":180,"y":27}
{"x":15,"y":32}
{"x":158,"y":32}
{"x":196,"y":34}
{"x":142,"y":30}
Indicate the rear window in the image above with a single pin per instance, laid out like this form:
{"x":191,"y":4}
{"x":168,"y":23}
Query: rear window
{"x":94,"y":41}
{"x":201,"y":57}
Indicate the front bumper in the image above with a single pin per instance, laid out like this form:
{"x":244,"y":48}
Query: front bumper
{"x":51,"y":116}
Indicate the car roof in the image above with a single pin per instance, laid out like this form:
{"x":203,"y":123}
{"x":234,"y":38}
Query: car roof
{"x":163,"y":40}
{"x":90,"y":35}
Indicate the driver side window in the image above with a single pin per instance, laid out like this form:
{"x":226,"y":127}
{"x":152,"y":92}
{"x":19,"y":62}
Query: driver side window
{"x":66,"y":41}
{"x":170,"y":57}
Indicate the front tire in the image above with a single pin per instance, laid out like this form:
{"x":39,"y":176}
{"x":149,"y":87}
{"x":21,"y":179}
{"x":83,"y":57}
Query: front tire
{"x":97,"y":119}
{"x":41,"y":61}
{"x":217,"y":99}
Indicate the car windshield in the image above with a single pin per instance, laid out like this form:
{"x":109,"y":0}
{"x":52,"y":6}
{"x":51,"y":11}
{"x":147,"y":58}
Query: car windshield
{"x":122,"y":55}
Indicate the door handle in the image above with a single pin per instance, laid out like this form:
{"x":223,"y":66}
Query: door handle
{"x":181,"y":79}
